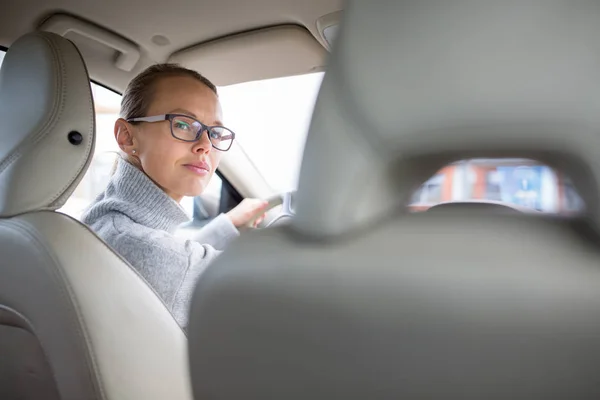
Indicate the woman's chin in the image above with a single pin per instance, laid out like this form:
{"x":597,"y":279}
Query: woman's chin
{"x":193,"y":190}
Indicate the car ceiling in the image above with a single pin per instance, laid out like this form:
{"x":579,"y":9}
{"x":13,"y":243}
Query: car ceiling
{"x":184,"y":23}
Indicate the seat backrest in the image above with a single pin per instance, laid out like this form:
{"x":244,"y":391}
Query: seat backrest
{"x":360,"y":298}
{"x":76,"y":321}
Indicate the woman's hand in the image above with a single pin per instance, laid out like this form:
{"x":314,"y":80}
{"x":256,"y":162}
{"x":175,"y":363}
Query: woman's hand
{"x":248,"y":210}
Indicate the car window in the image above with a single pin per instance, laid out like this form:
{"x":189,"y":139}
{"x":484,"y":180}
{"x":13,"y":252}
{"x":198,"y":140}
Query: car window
{"x":271,"y":118}
{"x":2,"y":52}
{"x":519,"y":182}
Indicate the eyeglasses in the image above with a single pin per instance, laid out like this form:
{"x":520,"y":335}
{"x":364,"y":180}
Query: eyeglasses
{"x":189,"y":129}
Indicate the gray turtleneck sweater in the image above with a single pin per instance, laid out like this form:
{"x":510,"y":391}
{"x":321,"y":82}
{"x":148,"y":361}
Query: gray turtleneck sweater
{"x":140,"y":222}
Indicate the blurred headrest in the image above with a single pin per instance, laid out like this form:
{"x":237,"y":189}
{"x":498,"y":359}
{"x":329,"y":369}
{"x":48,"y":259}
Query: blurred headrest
{"x":412,"y":86}
{"x":46,"y":123}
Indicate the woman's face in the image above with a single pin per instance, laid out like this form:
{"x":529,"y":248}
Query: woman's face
{"x":179,"y":168}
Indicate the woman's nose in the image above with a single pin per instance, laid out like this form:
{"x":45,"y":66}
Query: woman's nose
{"x":202,"y":145}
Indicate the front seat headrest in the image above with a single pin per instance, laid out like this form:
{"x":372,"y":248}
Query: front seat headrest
{"x":413,"y":86}
{"x":47,"y":134}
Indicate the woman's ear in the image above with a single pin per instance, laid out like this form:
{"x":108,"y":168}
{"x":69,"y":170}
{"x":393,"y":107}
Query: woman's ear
{"x":125,"y":136}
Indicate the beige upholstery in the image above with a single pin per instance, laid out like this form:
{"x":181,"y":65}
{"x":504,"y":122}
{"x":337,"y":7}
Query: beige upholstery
{"x":360,"y":299}
{"x":76,"y":321}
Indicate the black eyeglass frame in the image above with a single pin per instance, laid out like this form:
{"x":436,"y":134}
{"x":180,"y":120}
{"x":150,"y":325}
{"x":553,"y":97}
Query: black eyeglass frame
{"x":203,"y":127}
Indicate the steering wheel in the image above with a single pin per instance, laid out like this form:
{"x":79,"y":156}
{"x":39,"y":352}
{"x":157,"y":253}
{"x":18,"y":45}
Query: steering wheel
{"x":287,"y":211}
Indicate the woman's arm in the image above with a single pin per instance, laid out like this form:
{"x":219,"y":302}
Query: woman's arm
{"x":217,"y":233}
{"x":221,"y":230}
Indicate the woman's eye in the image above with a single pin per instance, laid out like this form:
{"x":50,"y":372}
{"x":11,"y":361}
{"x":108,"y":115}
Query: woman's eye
{"x":182,"y":125}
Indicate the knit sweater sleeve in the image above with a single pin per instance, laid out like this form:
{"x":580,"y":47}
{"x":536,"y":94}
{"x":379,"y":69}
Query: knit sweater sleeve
{"x":218,"y":233}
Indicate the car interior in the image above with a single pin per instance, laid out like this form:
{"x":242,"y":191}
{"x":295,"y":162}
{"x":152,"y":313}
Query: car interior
{"x":432,"y":177}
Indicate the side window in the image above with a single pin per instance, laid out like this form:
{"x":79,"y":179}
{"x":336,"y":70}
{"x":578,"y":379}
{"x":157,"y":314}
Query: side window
{"x":2,"y":53}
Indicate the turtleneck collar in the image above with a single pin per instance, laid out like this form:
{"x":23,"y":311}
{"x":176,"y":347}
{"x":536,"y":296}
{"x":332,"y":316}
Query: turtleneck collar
{"x":133,"y":193}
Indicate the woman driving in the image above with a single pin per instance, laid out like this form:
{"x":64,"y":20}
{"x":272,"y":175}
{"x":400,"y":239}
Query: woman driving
{"x":171,"y":138}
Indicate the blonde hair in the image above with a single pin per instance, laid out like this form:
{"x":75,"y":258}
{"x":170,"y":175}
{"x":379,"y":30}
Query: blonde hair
{"x":140,"y":92}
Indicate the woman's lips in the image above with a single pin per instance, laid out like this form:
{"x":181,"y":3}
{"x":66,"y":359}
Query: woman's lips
{"x":201,"y":169}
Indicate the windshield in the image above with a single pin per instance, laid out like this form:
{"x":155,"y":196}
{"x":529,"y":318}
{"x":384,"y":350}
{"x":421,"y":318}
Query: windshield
{"x":271,"y":119}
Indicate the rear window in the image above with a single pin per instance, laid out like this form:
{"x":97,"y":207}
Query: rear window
{"x":519,"y":182}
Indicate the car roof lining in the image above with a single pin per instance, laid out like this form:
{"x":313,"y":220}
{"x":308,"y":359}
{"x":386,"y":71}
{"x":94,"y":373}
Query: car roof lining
{"x":208,"y":22}
{"x":288,"y":49}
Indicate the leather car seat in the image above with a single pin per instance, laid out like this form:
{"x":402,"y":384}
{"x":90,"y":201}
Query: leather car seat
{"x":76,"y":321}
{"x":360,"y":299}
